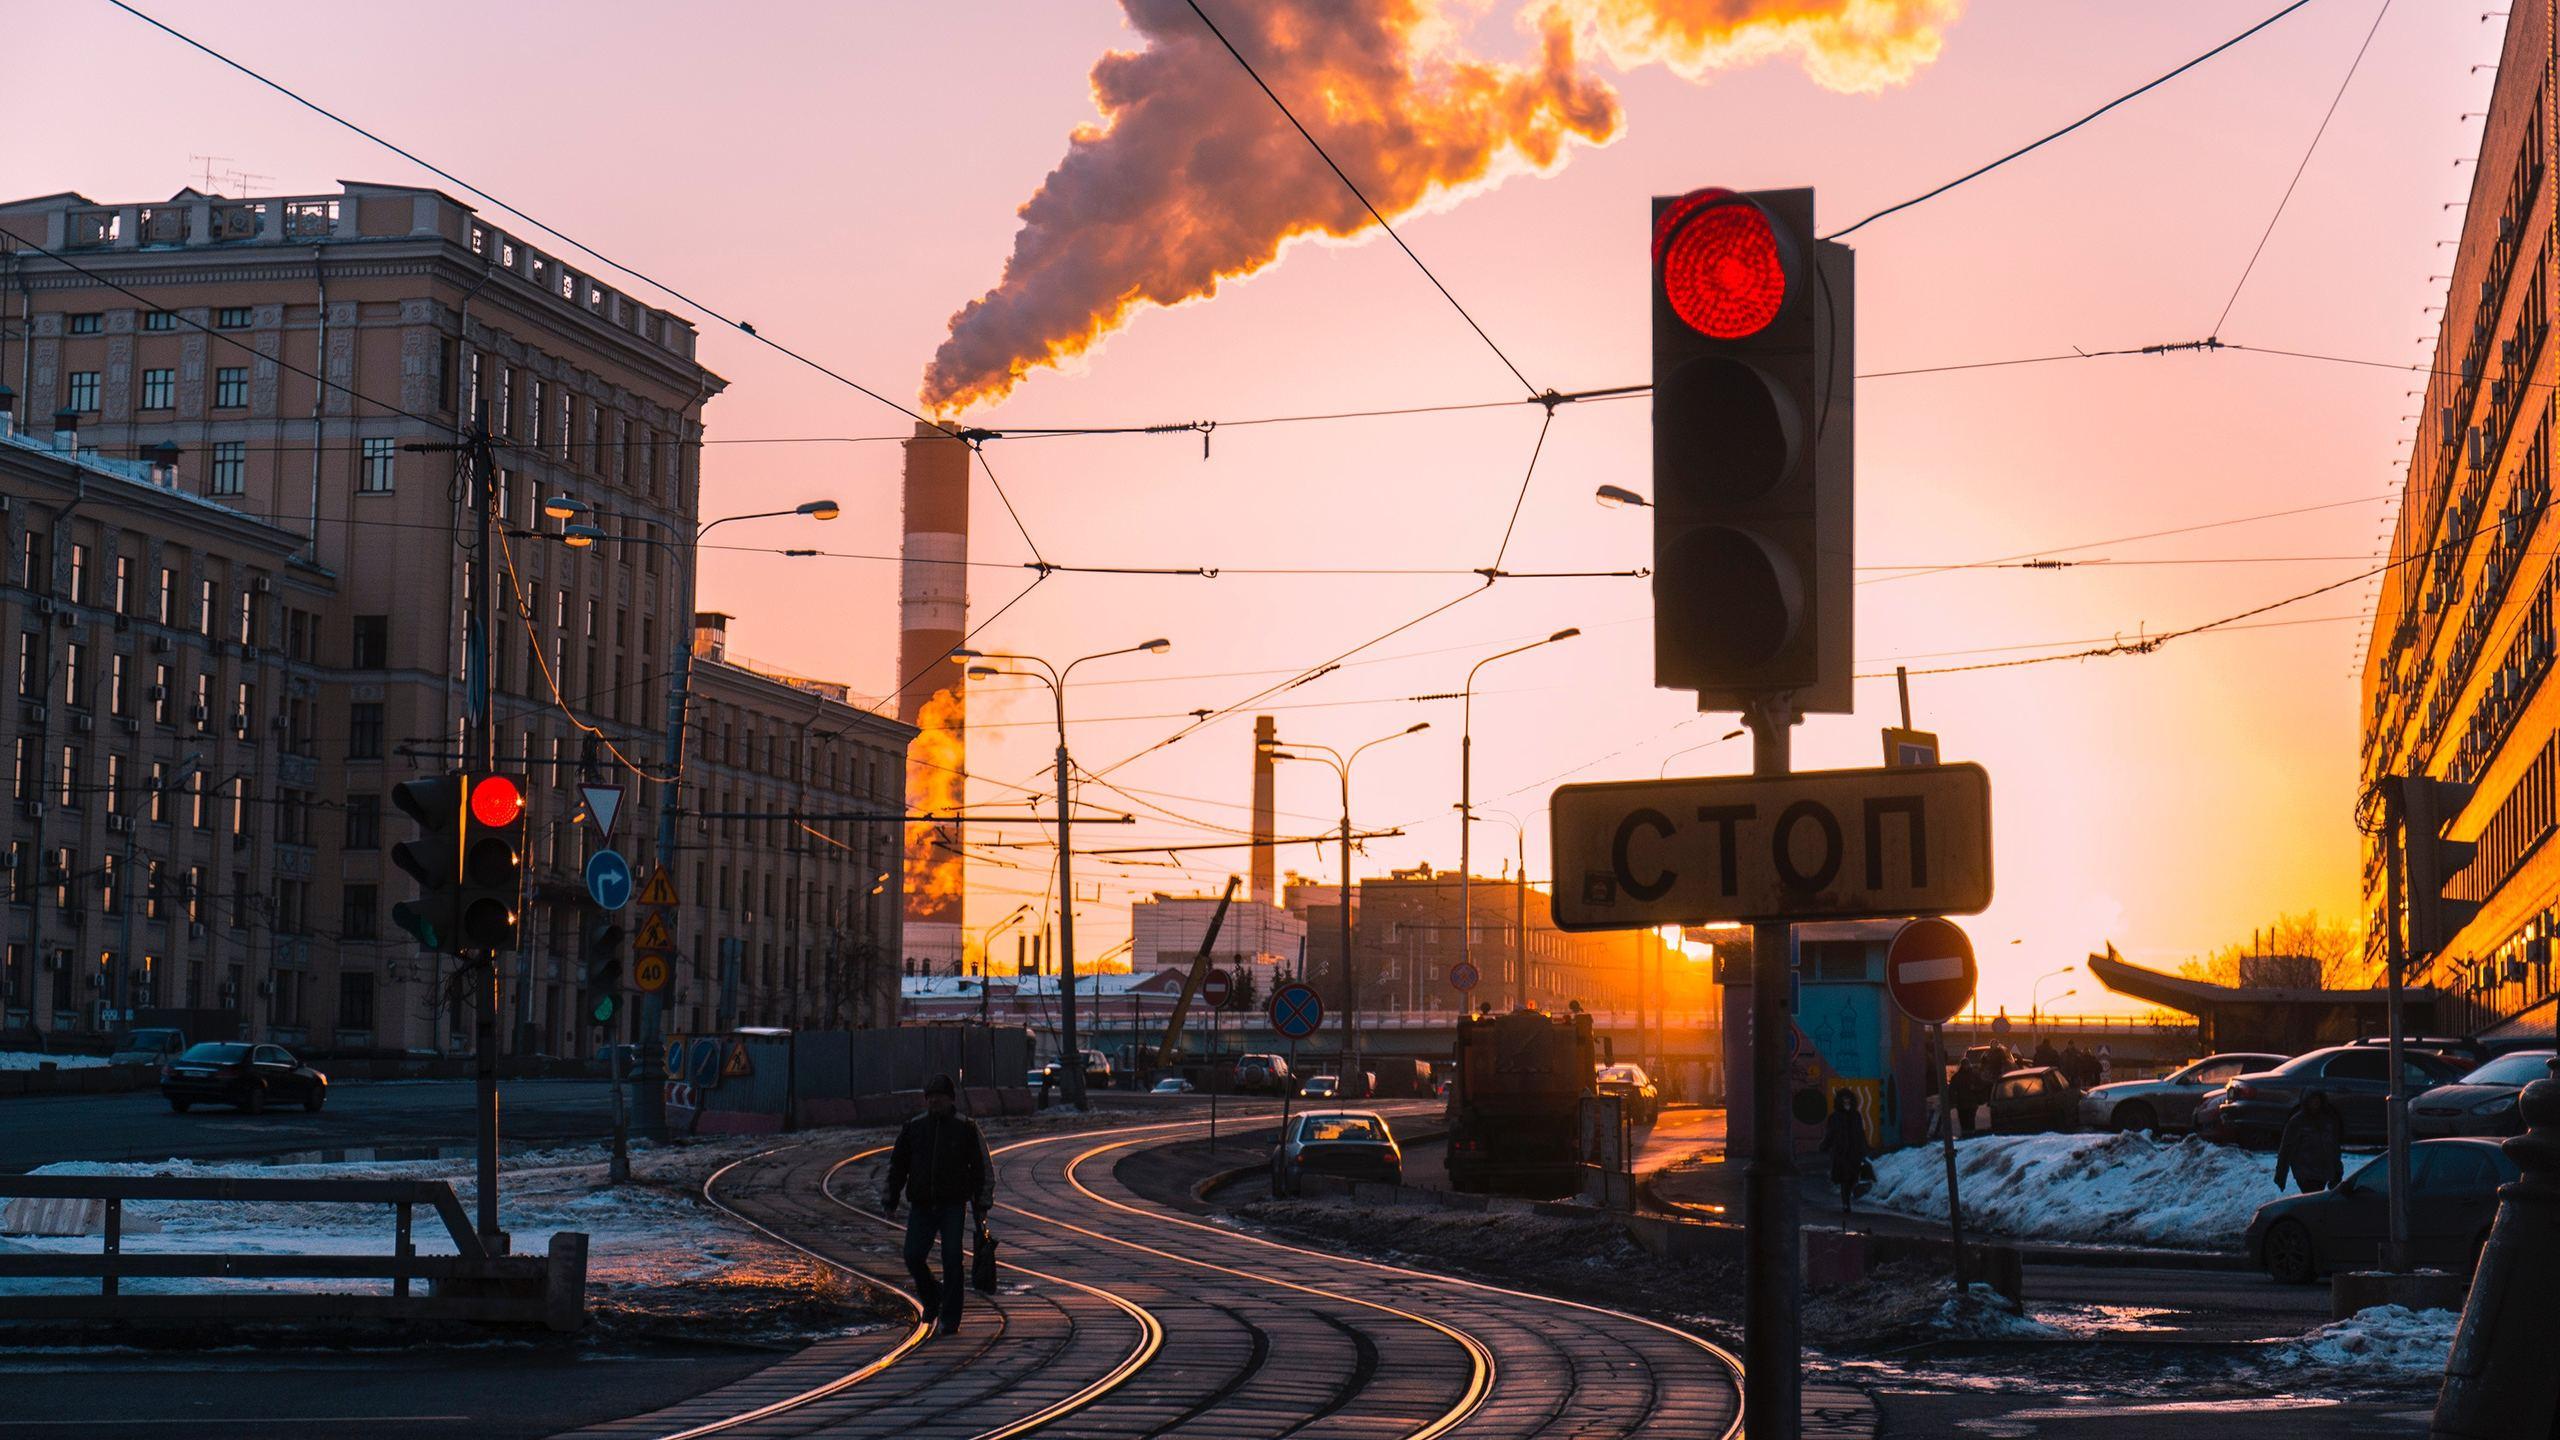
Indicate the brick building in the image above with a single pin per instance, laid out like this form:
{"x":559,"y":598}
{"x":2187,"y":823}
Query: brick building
{"x":202,"y":323}
{"x":2455,"y":678}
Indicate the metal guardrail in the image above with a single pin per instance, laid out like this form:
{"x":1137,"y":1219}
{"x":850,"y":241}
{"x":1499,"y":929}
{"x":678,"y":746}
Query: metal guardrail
{"x":471,"y":1285}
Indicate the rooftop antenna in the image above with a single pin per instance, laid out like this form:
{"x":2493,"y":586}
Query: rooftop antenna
{"x":245,"y":181}
{"x":205,"y":187}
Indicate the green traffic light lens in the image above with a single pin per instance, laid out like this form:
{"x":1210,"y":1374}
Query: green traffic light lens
{"x":602,"y":1011}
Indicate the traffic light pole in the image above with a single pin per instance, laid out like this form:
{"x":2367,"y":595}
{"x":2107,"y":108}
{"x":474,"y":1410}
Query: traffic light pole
{"x":483,"y":749}
{"x":2395,"y":828}
{"x":1771,"y":1387}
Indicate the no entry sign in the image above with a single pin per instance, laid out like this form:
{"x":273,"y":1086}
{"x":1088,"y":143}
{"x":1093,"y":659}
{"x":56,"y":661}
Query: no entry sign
{"x":1929,"y":969}
{"x":1215,"y":988}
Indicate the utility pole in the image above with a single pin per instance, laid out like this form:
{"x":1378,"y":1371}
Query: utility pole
{"x":1772,"y":1383}
{"x":2395,"y":821}
{"x":1352,"y":1069}
{"x":481,"y":696}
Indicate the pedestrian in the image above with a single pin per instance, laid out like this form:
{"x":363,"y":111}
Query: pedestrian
{"x":2309,"y":1146}
{"x":1964,"y":1096}
{"x":1048,"y":1082}
{"x":2075,"y":1065}
{"x":2046,"y":1055}
{"x":1844,"y":1139}
{"x":941,"y":1166}
{"x":1999,"y":1024}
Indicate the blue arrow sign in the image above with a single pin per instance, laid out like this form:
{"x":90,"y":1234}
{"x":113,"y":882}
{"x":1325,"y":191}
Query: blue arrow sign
{"x":609,"y":879}
{"x":1296,"y":1011}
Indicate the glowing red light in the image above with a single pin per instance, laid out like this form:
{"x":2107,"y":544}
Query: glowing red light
{"x":1722,"y":268}
{"x":496,"y":801}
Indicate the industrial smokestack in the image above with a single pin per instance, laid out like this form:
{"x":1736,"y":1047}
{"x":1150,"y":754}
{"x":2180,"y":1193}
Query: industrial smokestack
{"x":1266,"y":734}
{"x":933,"y":613}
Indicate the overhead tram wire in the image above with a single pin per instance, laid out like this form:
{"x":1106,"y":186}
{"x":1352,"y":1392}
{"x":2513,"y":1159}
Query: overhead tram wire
{"x":2308,"y":151}
{"x":2037,"y":144}
{"x":1349,"y":184}
{"x":645,"y":278}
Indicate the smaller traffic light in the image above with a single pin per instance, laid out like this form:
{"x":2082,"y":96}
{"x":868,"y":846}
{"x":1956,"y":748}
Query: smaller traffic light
{"x":492,"y":862}
{"x":2432,"y":862}
{"x":600,"y":982}
{"x":433,"y":859}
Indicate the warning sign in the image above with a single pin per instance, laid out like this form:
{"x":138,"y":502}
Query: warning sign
{"x":738,"y":1063}
{"x":659,"y":888}
{"x":655,"y":933}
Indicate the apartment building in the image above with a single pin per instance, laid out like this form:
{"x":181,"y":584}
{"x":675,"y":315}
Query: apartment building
{"x":2462,"y":642}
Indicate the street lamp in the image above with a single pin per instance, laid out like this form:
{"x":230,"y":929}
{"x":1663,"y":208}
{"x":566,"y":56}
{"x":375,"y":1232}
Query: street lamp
{"x":1616,"y":497}
{"x":1466,"y":796}
{"x":1665,"y":772}
{"x":1520,"y":901}
{"x":1356,"y":1083}
{"x":2035,"y":996}
{"x":679,"y":676}
{"x":1055,"y":677}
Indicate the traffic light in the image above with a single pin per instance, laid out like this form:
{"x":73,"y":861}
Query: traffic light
{"x":600,"y":983}
{"x":2427,"y":807}
{"x":492,"y":862}
{"x":1753,"y":321}
{"x":433,"y":859}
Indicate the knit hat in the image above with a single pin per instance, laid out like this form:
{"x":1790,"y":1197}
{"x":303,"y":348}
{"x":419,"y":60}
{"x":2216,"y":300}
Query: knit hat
{"x":940,"y":1085}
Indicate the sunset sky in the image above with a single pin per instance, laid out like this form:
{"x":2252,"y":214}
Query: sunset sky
{"x":847,"y":176}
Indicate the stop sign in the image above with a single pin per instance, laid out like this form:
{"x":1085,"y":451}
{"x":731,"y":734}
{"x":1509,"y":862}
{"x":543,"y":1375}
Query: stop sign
{"x":1214,"y":987}
{"x":1929,"y":969}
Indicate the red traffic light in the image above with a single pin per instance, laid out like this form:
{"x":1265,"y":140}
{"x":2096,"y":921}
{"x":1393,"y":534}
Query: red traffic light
{"x":495,"y":800}
{"x":1724,"y":268}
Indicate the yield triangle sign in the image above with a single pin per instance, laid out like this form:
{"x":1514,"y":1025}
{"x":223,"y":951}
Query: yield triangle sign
{"x":604,"y":806}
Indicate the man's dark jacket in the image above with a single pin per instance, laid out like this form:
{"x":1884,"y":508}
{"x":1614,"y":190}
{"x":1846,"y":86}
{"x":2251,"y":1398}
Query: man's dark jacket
{"x":940,"y":1160}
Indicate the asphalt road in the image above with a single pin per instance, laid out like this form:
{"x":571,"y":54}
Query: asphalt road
{"x":40,"y":1129}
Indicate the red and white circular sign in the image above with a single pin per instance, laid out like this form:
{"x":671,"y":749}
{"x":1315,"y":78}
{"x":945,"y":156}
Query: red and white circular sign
{"x":1929,"y":969}
{"x":1214,"y":988}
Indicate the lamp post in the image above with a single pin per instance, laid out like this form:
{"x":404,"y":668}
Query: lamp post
{"x":2035,"y":997}
{"x":1519,"y":901}
{"x":1355,"y":1083}
{"x":1665,"y":772}
{"x":579,"y":533}
{"x":1055,"y":677}
{"x":1466,"y":796}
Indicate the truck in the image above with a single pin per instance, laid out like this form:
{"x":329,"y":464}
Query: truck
{"x":1515,"y":1103}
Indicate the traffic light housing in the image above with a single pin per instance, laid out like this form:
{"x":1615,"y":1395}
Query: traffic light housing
{"x":600,"y":975}
{"x":2431,"y":862}
{"x":492,"y":862}
{"x":1753,"y":488}
{"x":433,"y":859}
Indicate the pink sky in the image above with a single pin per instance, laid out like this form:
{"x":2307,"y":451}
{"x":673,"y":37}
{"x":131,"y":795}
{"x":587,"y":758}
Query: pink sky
{"x":847,"y":176}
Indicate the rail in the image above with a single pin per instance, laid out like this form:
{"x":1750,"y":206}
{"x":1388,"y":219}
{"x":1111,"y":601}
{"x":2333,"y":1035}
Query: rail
{"x":472,"y":1284}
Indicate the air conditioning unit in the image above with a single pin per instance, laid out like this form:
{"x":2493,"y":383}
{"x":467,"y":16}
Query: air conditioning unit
{"x":268,"y":987}
{"x":83,"y":721}
{"x":159,"y":644}
{"x":161,"y":692}
{"x":65,"y":618}
{"x":195,"y":929}
{"x":46,"y":605}
{"x":128,"y":724}
{"x":123,"y":622}
{"x":200,"y":717}
{"x":31,"y":809}
{"x":35,"y":714}
{"x":249,"y":653}
{"x":58,"y":960}
{"x":240,"y":722}
{"x":260,"y":585}
{"x":119,"y":824}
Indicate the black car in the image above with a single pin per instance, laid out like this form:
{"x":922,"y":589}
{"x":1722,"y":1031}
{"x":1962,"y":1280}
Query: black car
{"x":2357,"y":1079}
{"x":1629,"y":1083}
{"x":2482,"y":1102}
{"x":2453,"y":1195}
{"x":1354,"y":1144}
{"x":1264,"y":1075}
{"x":2037,"y":1099}
{"x":249,"y":1076}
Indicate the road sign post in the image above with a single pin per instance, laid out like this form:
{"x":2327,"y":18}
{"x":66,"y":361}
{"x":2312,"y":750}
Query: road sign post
{"x":1930,"y":972}
{"x":1215,"y":988}
{"x":1296,"y":1012}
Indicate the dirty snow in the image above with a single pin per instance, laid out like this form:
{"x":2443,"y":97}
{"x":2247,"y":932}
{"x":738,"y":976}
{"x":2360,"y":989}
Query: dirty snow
{"x":2381,"y":1340}
{"x":1982,"y":1313}
{"x":2127,"y":1189}
{"x":30,"y":1060}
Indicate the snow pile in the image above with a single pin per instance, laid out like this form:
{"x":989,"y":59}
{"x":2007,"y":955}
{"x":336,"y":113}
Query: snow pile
{"x":2390,"y":1339}
{"x":2127,"y":1189}
{"x":30,"y":1060}
{"x":1982,"y":1313}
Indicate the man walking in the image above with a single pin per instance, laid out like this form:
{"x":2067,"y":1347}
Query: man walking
{"x":940,"y":1164}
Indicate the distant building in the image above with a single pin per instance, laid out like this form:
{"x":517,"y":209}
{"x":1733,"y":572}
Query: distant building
{"x":2457,"y":669}
{"x":1166,"y":930}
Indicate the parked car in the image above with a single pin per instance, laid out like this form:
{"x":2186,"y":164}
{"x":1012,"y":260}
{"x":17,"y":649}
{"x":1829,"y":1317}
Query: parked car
{"x":2461,"y":1050}
{"x":2168,"y":1103}
{"x":2357,"y":1079}
{"x":1631,"y":1084}
{"x":1355,"y":1144}
{"x":2453,"y":1195}
{"x":2208,"y":1112}
{"x":2482,"y":1102}
{"x":1322,"y":1087}
{"x":1263,"y":1075}
{"x":1097,"y":1070}
{"x":1173,"y":1085}
{"x":2037,"y":1098}
{"x":235,"y":1073}
{"x":148,"y":1045}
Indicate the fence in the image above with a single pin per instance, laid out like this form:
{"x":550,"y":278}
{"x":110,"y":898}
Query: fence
{"x":472,"y":1285}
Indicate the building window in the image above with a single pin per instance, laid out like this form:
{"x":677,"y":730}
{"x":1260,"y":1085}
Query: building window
{"x":75,"y":675}
{"x":119,"y":684}
{"x":124,"y":585}
{"x":83,"y":391}
{"x":364,"y":730}
{"x":160,"y":694}
{"x":206,"y":594}
{"x":71,"y":787}
{"x":168,"y":606}
{"x":79,"y":574}
{"x":231,"y":388}
{"x":533,"y":420}
{"x":159,"y":792}
{"x":248,"y":617}
{"x":230,"y":468}
{"x":114,"y":788}
{"x":375,"y":477}
{"x":159,"y":320}
{"x":232,"y":317}
{"x":364,"y":822}
{"x":371,"y":649}
{"x":355,"y":987}
{"x":159,"y":389}
{"x":89,"y":323}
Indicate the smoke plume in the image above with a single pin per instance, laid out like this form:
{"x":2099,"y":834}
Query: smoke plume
{"x":933,"y":787}
{"x":1191,"y":177}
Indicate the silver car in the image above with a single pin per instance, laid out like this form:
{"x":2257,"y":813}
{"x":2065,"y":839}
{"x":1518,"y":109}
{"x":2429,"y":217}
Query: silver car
{"x":1353,"y":1144}
{"x":2482,"y":1102}
{"x":2168,"y":1103}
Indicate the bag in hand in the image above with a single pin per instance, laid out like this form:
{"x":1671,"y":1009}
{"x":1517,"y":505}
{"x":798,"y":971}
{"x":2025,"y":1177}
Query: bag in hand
{"x":982,"y":1262}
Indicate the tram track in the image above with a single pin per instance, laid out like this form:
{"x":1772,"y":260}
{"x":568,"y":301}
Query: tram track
{"x":1266,"y":1338}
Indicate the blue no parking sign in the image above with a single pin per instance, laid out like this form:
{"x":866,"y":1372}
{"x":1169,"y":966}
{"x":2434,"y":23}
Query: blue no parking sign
{"x":1296,"y":1011}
